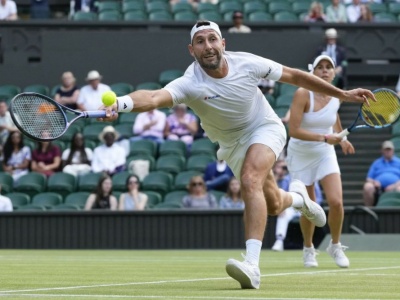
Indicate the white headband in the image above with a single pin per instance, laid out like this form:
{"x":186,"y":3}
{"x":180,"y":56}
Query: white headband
{"x":207,"y":25}
{"x":312,"y":66}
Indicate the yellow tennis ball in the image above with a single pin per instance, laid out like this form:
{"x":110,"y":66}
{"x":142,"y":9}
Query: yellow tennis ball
{"x":108,"y":98}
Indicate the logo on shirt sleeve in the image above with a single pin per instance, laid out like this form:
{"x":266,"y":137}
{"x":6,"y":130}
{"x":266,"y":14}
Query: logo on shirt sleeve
{"x":269,"y":72}
{"x":211,"y":97}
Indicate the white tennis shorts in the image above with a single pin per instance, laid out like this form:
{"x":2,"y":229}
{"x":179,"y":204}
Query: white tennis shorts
{"x":272,"y":135}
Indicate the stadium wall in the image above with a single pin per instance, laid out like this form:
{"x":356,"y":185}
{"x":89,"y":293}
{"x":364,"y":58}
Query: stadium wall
{"x":34,"y":52}
{"x":156,"y":229}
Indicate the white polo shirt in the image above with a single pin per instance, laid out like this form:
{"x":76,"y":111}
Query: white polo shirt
{"x":90,"y":98}
{"x":232,"y":106}
{"x":8,"y":9}
{"x":5,"y":204}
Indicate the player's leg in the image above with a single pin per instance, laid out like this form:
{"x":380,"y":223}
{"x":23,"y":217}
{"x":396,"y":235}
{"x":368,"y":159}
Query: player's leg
{"x":332,"y":186}
{"x":369,"y":194}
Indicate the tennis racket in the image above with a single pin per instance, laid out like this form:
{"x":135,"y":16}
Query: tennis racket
{"x":43,"y":119}
{"x":380,"y":114}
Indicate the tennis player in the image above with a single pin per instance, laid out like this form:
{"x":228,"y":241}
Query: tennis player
{"x":311,"y":158}
{"x":221,"y":88}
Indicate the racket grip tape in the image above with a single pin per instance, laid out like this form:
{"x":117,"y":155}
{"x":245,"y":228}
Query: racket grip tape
{"x":344,"y":133}
{"x":95,"y":114}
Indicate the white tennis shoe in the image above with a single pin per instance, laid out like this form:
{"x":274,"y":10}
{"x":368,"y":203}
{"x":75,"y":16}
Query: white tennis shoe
{"x":247,"y":274}
{"x":310,"y":257}
{"x":337,"y":253}
{"x":311,"y":210}
{"x":278,"y":246}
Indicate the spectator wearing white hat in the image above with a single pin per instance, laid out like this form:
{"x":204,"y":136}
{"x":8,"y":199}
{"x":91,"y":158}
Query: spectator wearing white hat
{"x":108,"y":157}
{"x":338,"y":55}
{"x":238,"y":27}
{"x":90,"y":94}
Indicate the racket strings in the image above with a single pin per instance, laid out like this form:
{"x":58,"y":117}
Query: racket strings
{"x":385,"y":111}
{"x":39,"y":117}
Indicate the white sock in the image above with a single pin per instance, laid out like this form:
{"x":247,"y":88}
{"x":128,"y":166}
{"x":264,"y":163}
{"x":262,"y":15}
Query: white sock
{"x":253,"y":250}
{"x":297,"y":200}
{"x":308,"y":248}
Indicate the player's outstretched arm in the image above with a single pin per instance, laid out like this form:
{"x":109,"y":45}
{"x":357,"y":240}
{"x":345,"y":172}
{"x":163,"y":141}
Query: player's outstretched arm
{"x":138,"y":101}
{"x":318,"y":85}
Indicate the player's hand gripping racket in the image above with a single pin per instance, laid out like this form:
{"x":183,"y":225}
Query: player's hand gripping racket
{"x":381,"y":113}
{"x":43,"y":119}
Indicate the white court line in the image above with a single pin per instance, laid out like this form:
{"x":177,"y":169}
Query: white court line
{"x":193,"y":280}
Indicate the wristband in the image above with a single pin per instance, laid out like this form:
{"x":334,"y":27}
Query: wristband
{"x":344,"y":138}
{"x":124,"y":104}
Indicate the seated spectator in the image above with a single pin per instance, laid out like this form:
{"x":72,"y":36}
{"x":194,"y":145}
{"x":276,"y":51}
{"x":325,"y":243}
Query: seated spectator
{"x":6,"y":122}
{"x":77,"y":159}
{"x":353,"y":11}
{"x":8,"y":10}
{"x":108,"y":157}
{"x":336,"y":12}
{"x":103,"y":197}
{"x":16,"y":156}
{"x":365,"y":14}
{"x":238,"y":27}
{"x":133,"y":199}
{"x":198,"y":196}
{"x":46,"y":158}
{"x":233,"y":198}
{"x":90,"y":95}
{"x":83,"y":5}
{"x":181,"y":125}
{"x":383,"y":175}
{"x":150,"y":126}
{"x":67,"y":94}
{"x":282,"y":222}
{"x":217,"y":175}
{"x":316,"y":13}
{"x":5,"y":203}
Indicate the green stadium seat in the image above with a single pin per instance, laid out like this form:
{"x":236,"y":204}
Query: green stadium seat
{"x":181,"y":6}
{"x":121,"y":88}
{"x":18,"y":199}
{"x":389,"y":199}
{"x":142,"y":156}
{"x":206,"y":6}
{"x":394,"y":8}
{"x":71,"y":131}
{"x":78,"y":198}
{"x":270,"y":98}
{"x":167,"y":206}
{"x":153,"y":198}
{"x":90,"y":144}
{"x":135,"y":16}
{"x":110,"y":15}
{"x":54,"y":89}
{"x":172,"y":164}
{"x":396,"y":129}
{"x":279,"y":6}
{"x":185,"y":16}
{"x":377,"y":7}
{"x":60,"y":144}
{"x":254,"y":6}
{"x":108,"y":6}
{"x":285,"y":16}
{"x":284,"y":101}
{"x":92,"y":131}
{"x":160,"y":16}
{"x":10,"y":90}
{"x":47,"y":199}
{"x":281,"y":111}
{"x":32,"y":183}
{"x":127,"y":118}
{"x":37,"y":88}
{"x":175,"y":197}
{"x":217,"y":194}
{"x":7,"y":183}
{"x":61,"y":183}
{"x":65,"y":207}
{"x":203,"y":146}
{"x":143,"y":147}
{"x":84,"y":16}
{"x":30,"y":143}
{"x":396,"y":143}
{"x":384,"y":18}
{"x":300,"y":7}
{"x":287,"y":89}
{"x":157,"y":6}
{"x":173,"y":148}
{"x":259,"y":16}
{"x":125,"y":130}
{"x":229,"y":6}
{"x":168,"y":75}
{"x":148,"y":86}
{"x":88,"y":182}
{"x":133,"y":6}
{"x":213,"y":16}
{"x":182,"y":179}
{"x":31,"y":207}
{"x":160,"y":182}
{"x":119,"y":181}
{"x":165,"y":1}
{"x":198,"y":162}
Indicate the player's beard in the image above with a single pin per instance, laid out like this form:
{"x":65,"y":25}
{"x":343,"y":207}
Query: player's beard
{"x":210,"y":65}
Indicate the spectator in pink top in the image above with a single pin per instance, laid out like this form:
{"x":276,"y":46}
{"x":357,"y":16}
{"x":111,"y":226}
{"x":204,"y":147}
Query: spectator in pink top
{"x":46,"y":158}
{"x":181,"y":125}
{"x":150,"y":125}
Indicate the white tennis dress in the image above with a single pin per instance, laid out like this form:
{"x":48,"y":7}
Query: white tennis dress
{"x":310,"y":161}
{"x":233,"y":111}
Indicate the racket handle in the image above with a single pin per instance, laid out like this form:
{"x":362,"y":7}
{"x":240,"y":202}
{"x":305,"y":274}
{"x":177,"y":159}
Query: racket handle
{"x":96,"y":114}
{"x":344,"y":133}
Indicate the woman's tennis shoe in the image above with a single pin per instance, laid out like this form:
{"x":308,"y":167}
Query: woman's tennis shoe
{"x":247,"y":274}
{"x":310,"y":257}
{"x":278,"y":246}
{"x":311,"y":210}
{"x":337,"y":253}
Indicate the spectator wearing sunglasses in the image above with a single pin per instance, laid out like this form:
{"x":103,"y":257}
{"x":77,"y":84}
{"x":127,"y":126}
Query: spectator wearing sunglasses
{"x":198,"y":197}
{"x":132,"y":199}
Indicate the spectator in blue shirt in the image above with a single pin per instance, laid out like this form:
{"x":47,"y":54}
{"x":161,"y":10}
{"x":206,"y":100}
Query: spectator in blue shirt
{"x":217,"y":175}
{"x":383,"y":175}
{"x":233,"y":198}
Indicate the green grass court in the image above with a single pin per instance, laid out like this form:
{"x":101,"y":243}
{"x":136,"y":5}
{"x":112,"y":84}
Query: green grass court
{"x":99,"y":274}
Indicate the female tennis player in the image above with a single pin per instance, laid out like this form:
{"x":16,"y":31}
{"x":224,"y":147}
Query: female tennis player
{"x":312,"y":157}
